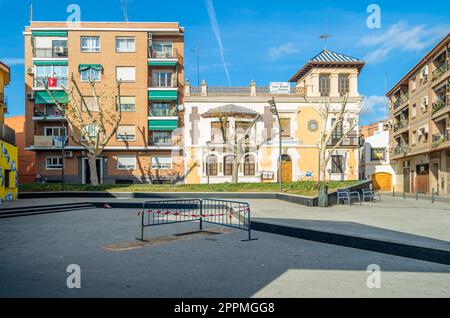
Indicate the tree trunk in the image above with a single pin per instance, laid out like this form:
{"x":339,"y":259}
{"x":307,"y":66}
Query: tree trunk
{"x":235,"y":173}
{"x":92,"y":159}
{"x":323,"y":164}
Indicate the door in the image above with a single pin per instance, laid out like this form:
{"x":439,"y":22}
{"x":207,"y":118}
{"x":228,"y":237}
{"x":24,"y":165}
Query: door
{"x":87,"y":171}
{"x":422,"y":178}
{"x":406,"y":180}
{"x":286,"y":168}
{"x":382,"y":181}
{"x":434,"y":181}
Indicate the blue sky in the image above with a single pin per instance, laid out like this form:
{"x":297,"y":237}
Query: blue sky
{"x":260,"y":39}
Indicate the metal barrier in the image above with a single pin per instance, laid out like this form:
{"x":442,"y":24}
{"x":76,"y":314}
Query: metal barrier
{"x":228,"y":213}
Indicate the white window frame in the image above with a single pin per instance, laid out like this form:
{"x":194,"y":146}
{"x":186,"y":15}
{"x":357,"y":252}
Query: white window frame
{"x":92,"y":136}
{"x":126,"y":38}
{"x":52,"y":74}
{"x":123,"y":67}
{"x":53,"y":128}
{"x":120,"y":138}
{"x":159,"y":166}
{"x":162,"y":43}
{"x":126,"y":167}
{"x":90,"y":49}
{"x":90,"y":75}
{"x":156,"y":79}
{"x":126,"y":110}
{"x":58,"y":166}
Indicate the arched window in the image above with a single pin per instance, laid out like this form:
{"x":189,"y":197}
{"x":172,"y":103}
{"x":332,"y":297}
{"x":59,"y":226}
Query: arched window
{"x":228,"y":165}
{"x":249,"y":165}
{"x":211,"y":165}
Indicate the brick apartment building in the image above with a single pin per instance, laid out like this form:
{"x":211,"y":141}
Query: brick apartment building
{"x":148,"y":58}
{"x":420,"y":119}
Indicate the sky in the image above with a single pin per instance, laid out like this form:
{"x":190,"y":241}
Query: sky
{"x":261,"y":40}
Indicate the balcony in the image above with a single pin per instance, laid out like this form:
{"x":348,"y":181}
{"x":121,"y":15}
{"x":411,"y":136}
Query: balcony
{"x":162,"y":55}
{"x":439,"y":138}
{"x":439,"y":104}
{"x":3,"y":101}
{"x":400,"y":124}
{"x":162,"y":112}
{"x":53,"y":82}
{"x":401,"y":148}
{"x":441,"y":69}
{"x":47,"y":112}
{"x":48,"y":142}
{"x":7,"y":134}
{"x":240,"y":91}
{"x":351,"y":140}
{"x":165,"y":141}
{"x":54,"y":52}
{"x":401,"y":100}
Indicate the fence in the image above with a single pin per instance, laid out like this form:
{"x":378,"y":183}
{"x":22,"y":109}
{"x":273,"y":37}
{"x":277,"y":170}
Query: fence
{"x":227,"y":213}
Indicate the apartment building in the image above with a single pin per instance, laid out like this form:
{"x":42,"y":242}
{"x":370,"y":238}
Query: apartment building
{"x":147,"y":58}
{"x":419,"y":115}
{"x":8,"y":150}
{"x":375,"y":163}
{"x":327,"y":75}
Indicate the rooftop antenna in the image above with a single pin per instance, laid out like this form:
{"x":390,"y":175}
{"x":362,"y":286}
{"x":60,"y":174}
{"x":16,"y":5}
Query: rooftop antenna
{"x":197,"y":52}
{"x":324,"y":37}
{"x":31,"y":11}
{"x":385,"y":91}
{"x":125,"y":9}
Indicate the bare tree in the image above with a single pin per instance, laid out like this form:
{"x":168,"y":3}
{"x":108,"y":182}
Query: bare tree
{"x":90,"y":126}
{"x":342,"y":119}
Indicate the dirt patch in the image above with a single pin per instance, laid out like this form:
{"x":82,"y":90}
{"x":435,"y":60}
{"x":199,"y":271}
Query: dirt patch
{"x":166,"y":239}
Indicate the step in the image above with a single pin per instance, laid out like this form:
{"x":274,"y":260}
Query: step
{"x":45,"y":211}
{"x":43,"y":207}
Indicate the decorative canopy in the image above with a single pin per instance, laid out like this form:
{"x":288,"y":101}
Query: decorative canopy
{"x":84,"y":67}
{"x":231,"y":110}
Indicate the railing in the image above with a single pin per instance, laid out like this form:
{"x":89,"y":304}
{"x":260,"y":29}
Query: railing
{"x":400,"y":124}
{"x":265,"y":90}
{"x":400,"y":149}
{"x":3,"y":100}
{"x":228,"y":90}
{"x":162,"y":112}
{"x":439,"y":138}
{"x":441,"y":69}
{"x":162,"y":55}
{"x":7,"y":134}
{"x":349,"y":140}
{"x":242,"y":91}
{"x":47,"y":141}
{"x":50,"y":53}
{"x":173,"y":141}
{"x":60,"y":81}
{"x":439,"y":104}
{"x":402,"y":100}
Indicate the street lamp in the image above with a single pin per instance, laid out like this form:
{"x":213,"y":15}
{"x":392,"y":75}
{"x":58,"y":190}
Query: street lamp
{"x":274,"y":110}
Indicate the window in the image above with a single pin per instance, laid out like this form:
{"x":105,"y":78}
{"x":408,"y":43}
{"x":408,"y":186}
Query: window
{"x":313,"y":125}
{"x":162,"y":109}
{"x":91,"y":131}
{"x":249,"y":165}
{"x":161,"y":163}
{"x":127,"y":103}
{"x":286,"y":127}
{"x":337,"y":164}
{"x":126,"y":73}
{"x":126,"y":133}
{"x":162,"y":79}
{"x":211,"y":165}
{"x":378,"y":154}
{"x":338,"y":132}
{"x":162,"y":137}
{"x":216,"y":132}
{"x":55,"y":131}
{"x":414,"y":111}
{"x":413,"y":84}
{"x":228,"y":165}
{"x":53,"y":162}
{"x":50,"y":47}
{"x":91,"y":103}
{"x":343,"y":84}
{"x":43,"y":72}
{"x":90,"y":74}
{"x":90,"y":44}
{"x":126,"y":162}
{"x":125,"y":44}
{"x":162,"y":50}
{"x":324,"y":84}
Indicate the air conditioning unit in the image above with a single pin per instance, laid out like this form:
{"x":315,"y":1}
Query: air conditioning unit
{"x":68,"y":154}
{"x":30,"y":96}
{"x":30,"y":70}
{"x":58,"y":49}
{"x":180,"y":108}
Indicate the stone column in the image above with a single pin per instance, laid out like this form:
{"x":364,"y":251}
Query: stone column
{"x":204,"y":88}
{"x":187,"y":88}
{"x":334,"y":85}
{"x":252,"y":88}
{"x":313,"y":89}
{"x":353,"y":83}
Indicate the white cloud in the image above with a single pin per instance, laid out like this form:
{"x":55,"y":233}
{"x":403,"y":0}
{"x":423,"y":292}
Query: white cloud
{"x":401,"y":37}
{"x":282,"y":50}
{"x":374,"y":105}
{"x":12,"y":60}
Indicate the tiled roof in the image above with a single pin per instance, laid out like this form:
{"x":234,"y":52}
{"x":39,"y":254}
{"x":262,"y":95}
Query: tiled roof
{"x":327,"y":57}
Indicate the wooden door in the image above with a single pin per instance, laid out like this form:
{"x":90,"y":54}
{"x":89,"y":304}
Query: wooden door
{"x":382,"y":181}
{"x":406,"y":180}
{"x":287,"y":168}
{"x":422,"y":179}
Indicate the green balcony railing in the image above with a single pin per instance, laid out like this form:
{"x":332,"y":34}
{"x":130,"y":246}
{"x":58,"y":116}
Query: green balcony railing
{"x":439,"y":138}
{"x":441,"y":69}
{"x":400,"y":124}
{"x":439,"y":104}
{"x":400,"y":149}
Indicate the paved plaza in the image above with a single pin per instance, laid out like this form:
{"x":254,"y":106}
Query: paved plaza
{"x":35,"y":251}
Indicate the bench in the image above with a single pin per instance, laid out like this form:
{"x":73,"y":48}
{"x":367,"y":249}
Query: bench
{"x":370,"y":194}
{"x":345,"y":194}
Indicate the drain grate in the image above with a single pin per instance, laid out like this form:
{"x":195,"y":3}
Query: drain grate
{"x":167,"y":239}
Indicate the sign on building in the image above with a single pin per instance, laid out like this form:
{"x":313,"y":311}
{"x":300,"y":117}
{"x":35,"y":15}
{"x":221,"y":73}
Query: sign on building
{"x":280,"y":87}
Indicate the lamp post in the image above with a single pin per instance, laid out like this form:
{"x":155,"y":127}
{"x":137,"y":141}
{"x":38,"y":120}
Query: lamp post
{"x":274,"y":110}
{"x":208,"y":144}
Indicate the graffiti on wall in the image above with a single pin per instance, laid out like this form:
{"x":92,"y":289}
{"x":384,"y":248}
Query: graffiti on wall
{"x":9,"y":175}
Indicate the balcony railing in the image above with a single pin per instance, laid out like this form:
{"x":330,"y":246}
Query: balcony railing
{"x":60,"y":81}
{"x":400,"y":149}
{"x":162,"y":55}
{"x":50,"y":53}
{"x":158,"y":112}
{"x":349,"y":140}
{"x":241,"y":91}
{"x":441,"y":69}
{"x":7,"y":134}
{"x":48,"y":141}
{"x":439,"y":104}
{"x":402,"y":100}
{"x":172,"y":141}
{"x":439,"y":138}
{"x":400,"y":124}
{"x":3,"y":100}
